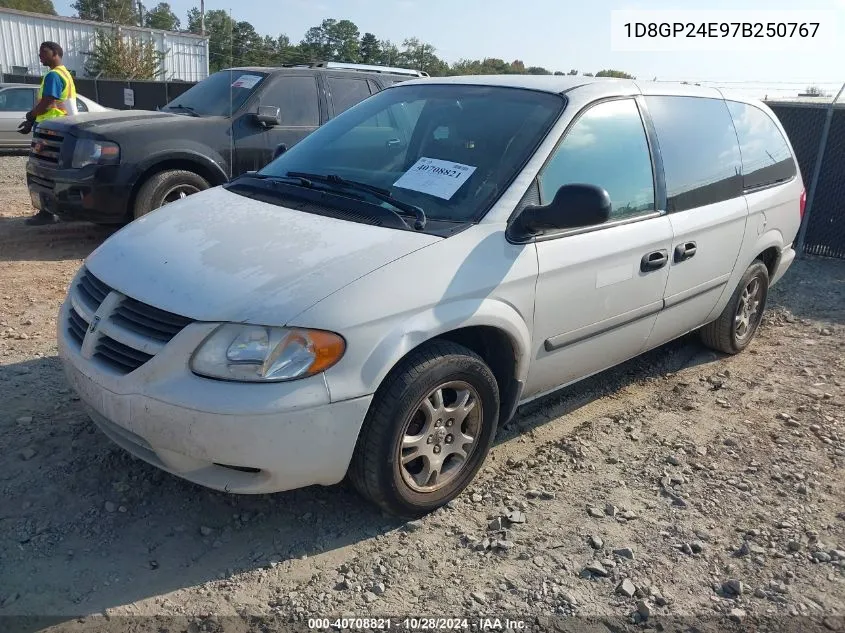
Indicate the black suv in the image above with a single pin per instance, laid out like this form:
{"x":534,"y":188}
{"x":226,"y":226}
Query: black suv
{"x":111,"y":167}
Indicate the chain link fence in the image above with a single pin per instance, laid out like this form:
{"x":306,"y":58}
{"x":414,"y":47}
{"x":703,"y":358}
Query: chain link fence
{"x":804,"y":122}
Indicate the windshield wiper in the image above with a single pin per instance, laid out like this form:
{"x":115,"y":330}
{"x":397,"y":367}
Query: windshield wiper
{"x":187,"y":109}
{"x":377,"y":192}
{"x":298,"y":180}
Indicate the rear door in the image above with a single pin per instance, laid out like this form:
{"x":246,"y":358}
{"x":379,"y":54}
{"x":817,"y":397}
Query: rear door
{"x":374,"y":139}
{"x":707,"y":209}
{"x":14,"y":104}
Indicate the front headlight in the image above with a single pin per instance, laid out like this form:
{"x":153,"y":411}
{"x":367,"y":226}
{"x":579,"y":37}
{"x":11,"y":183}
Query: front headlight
{"x":255,"y":353}
{"x":91,"y":152}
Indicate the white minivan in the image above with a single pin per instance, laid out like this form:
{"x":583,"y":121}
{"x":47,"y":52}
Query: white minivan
{"x":376,"y":300}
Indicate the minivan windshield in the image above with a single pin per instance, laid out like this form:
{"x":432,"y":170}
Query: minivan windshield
{"x":449,"y":149}
{"x":219,"y":94}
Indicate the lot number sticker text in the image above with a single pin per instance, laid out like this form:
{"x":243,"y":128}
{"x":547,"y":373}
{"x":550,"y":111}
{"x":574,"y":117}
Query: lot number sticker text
{"x":440,"y":178}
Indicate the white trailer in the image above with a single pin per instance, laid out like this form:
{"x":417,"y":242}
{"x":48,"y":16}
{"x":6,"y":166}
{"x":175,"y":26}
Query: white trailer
{"x":21,"y":33}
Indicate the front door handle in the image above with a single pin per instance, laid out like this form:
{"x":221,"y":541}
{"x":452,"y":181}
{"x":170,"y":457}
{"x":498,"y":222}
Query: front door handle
{"x":654,"y":260}
{"x":684,"y":251}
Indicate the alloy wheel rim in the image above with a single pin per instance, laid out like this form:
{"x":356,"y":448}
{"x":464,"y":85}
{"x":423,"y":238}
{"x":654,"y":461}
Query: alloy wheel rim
{"x":440,"y":436}
{"x":748,"y":310}
{"x":177,"y":193}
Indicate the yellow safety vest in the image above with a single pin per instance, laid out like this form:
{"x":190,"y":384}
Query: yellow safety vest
{"x":67,"y":103}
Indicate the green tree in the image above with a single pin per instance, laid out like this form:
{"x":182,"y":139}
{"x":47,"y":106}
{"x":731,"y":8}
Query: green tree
{"x":571,"y":72}
{"x":390,"y":53}
{"x":344,"y":40}
{"x":421,"y":56}
{"x":614,"y":73}
{"x":112,"y":11}
{"x":370,"y":49}
{"x":116,"y":56}
{"x":588,"y":74}
{"x":537,"y":70}
{"x":247,"y":46}
{"x":34,"y":6}
{"x":162,"y":17}
{"x":333,"y":40}
{"x":219,"y":28}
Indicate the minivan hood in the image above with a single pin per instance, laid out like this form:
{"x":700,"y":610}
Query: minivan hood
{"x":219,"y":256}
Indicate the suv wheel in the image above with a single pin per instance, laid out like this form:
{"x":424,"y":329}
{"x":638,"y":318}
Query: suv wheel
{"x":165,"y":187}
{"x":428,"y":430}
{"x":735,"y":328}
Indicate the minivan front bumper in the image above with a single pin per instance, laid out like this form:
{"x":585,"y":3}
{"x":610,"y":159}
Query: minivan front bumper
{"x":234,"y":437}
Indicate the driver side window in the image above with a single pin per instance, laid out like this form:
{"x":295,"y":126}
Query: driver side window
{"x":606,"y":147}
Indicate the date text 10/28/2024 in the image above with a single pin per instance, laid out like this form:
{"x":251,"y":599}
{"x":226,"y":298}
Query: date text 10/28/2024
{"x":418,"y":624}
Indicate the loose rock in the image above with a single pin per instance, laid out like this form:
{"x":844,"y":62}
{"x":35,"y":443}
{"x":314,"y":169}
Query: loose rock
{"x":28,"y":453}
{"x":596,"y":542}
{"x":627,"y":588}
{"x":596,"y":569}
{"x":624,"y":552}
{"x":737,"y":615}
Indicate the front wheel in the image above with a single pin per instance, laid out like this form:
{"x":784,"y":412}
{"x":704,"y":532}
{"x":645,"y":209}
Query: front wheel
{"x":428,"y":430}
{"x":733,"y":331}
{"x":166,"y":187}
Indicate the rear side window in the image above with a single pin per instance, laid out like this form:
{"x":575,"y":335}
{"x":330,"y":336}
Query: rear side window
{"x":297,"y":98}
{"x":766,"y":158}
{"x":701,"y":158}
{"x":347,"y":92}
{"x":606,"y":147}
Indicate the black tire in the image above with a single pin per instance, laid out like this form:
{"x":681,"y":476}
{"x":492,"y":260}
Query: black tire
{"x":155,"y":191}
{"x":721,"y":335}
{"x":375,"y":471}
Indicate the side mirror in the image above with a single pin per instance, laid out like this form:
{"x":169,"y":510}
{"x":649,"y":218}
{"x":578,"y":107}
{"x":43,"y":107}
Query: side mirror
{"x":281,"y":148}
{"x":269,"y":116}
{"x":574,"y":206}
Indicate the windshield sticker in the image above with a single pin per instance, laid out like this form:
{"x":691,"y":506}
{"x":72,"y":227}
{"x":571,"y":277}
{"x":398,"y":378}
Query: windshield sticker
{"x":246,"y":81}
{"x":440,"y":178}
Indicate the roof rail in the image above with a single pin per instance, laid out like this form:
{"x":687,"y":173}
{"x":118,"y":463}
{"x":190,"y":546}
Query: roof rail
{"x":370,"y":68}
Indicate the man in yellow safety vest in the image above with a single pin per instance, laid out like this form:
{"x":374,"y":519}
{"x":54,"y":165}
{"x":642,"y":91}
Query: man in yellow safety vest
{"x":56,"y":98}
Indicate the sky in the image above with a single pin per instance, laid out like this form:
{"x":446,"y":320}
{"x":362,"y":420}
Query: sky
{"x":556,"y":34}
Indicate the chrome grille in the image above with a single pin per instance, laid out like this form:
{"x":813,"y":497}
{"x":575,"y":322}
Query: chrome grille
{"x":150,"y":321}
{"x":46,"y":145}
{"x":121,"y":355}
{"x":77,"y":326}
{"x":129,"y":332}
{"x":92,"y":290}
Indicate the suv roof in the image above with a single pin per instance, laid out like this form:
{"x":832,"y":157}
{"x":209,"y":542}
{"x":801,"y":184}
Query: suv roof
{"x":366,"y":68}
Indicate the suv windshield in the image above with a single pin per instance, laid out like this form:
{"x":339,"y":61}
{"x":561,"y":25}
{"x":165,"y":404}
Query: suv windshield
{"x":211,"y":97}
{"x":450,"y":150}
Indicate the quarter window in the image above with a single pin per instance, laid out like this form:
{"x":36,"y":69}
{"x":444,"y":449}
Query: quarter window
{"x":607,"y":147}
{"x":701,"y":159}
{"x":766,"y":158}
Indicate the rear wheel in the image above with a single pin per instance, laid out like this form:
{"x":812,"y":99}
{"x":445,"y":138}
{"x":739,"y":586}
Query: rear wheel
{"x":166,"y":187}
{"x":428,"y":430}
{"x":735,"y":328}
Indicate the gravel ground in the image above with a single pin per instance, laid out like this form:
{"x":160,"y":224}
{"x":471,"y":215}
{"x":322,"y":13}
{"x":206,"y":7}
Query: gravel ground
{"x":680,"y":485}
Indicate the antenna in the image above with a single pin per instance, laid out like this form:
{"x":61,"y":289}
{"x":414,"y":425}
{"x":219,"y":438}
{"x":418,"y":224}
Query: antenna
{"x":202,"y":17}
{"x":231,"y":97}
